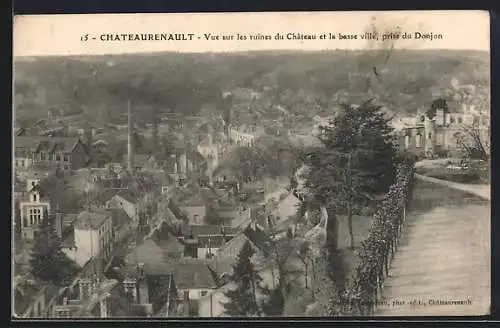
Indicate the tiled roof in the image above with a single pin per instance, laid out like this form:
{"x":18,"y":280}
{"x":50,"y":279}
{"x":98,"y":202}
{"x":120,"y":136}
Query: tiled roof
{"x":257,"y":237}
{"x":211,"y":241}
{"x":193,"y":274}
{"x":48,"y":143}
{"x":195,"y":231}
{"x":119,"y":216}
{"x":128,"y":195}
{"x":167,"y":241}
{"x":91,"y":219}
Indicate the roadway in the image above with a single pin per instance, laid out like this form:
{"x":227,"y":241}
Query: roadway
{"x":444,"y":254}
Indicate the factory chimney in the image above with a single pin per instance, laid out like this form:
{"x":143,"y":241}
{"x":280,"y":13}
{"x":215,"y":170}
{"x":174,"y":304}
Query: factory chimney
{"x":130,"y":141}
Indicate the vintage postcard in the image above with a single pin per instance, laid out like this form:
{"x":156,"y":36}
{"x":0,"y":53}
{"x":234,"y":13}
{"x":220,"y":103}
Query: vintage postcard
{"x":294,"y":164}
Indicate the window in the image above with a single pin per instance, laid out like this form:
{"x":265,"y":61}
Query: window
{"x":460,"y":120}
{"x":418,"y":140}
{"x":34,"y":197}
{"x":196,"y":218}
{"x":58,"y":157}
{"x":204,"y":293}
{"x":66,"y":158}
{"x":32,"y":184}
{"x":25,"y":222}
{"x":429,"y":135}
{"x":42,"y":156}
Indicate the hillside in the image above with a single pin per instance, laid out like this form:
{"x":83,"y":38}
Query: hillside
{"x":299,"y":83}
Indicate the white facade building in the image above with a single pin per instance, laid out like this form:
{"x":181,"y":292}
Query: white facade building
{"x":93,"y":237}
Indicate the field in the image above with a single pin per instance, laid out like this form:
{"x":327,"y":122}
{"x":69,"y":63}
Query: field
{"x":456,"y":170}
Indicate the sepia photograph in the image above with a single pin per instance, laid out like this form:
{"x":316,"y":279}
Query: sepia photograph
{"x":251,"y":165}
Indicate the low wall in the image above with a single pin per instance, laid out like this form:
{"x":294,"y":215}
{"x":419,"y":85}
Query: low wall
{"x":483,"y":191}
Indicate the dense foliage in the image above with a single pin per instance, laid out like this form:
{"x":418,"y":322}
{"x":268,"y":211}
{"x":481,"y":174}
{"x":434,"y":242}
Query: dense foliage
{"x":304,"y":84}
{"x":356,"y":162}
{"x":242,"y":301}
{"x":48,"y":262}
{"x":378,"y":248}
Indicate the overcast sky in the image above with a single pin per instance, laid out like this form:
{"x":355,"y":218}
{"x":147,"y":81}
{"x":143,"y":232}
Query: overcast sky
{"x":61,"y":35}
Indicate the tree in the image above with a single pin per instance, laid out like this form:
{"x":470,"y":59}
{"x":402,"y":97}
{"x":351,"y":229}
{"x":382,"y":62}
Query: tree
{"x":245,"y":163}
{"x":305,"y":255}
{"x":160,"y":287}
{"x":61,"y":195}
{"x":273,"y":303}
{"x":280,"y":259}
{"x":242,"y":300}
{"x":327,"y":294}
{"x":48,"y":262}
{"x":356,"y":162}
{"x":473,"y":142}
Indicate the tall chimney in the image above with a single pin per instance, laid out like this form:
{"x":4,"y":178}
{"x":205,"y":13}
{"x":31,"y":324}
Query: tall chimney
{"x":58,"y":223}
{"x":130,"y":146}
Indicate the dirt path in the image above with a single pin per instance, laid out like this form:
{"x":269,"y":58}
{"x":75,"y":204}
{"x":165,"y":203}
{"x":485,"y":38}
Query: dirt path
{"x":444,"y":256}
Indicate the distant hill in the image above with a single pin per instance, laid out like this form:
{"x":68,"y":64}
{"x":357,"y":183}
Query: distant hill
{"x":300,"y":83}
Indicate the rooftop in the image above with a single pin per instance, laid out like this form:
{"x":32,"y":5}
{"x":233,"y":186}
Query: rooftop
{"x":194,"y":274}
{"x":92,"y":219}
{"x":50,"y":144}
{"x":196,"y":231}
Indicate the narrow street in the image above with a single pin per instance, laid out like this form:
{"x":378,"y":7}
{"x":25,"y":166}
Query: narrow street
{"x":444,"y":256}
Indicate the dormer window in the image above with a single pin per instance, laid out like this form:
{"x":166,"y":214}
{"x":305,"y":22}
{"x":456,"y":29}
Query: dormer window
{"x":34,"y":197}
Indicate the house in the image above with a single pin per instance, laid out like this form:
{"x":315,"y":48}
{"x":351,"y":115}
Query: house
{"x":156,"y":268}
{"x":195,"y":208}
{"x":212,"y":305}
{"x":123,"y":225}
{"x":245,"y":135}
{"x":33,"y":208}
{"x":252,"y":233}
{"x":195,"y":277}
{"x":92,"y":237}
{"x":126,"y":200}
{"x":425,"y":136}
{"x":203,"y":241}
{"x":61,"y":152}
{"x":99,"y":298}
{"x":31,"y":297}
{"x":172,"y":247}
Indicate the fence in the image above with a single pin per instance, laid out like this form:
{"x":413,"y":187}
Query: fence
{"x":377,"y":250}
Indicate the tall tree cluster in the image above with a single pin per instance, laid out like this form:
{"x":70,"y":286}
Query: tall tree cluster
{"x":356,"y":163}
{"x":48,"y":262}
{"x":242,"y":300}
